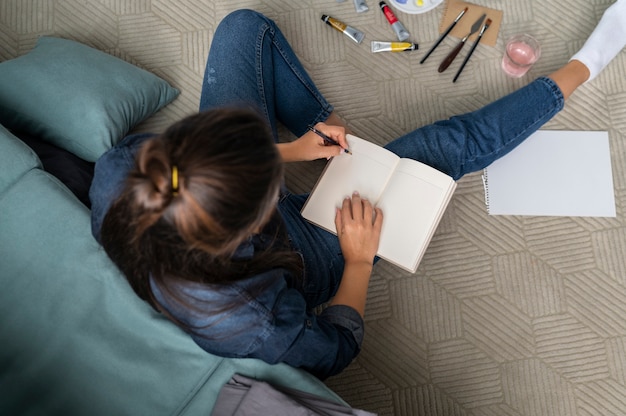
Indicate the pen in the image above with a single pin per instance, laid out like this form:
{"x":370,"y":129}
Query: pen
{"x":327,"y":139}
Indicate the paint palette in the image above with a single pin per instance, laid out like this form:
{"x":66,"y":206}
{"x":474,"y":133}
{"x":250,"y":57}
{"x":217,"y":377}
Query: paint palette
{"x":411,"y":6}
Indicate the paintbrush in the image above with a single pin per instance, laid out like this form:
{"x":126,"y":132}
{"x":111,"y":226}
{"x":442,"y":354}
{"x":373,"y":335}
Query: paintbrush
{"x":480,"y":35}
{"x":448,"y":30}
{"x":448,"y":60}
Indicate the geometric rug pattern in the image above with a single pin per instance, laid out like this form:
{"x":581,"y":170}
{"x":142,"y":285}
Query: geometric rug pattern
{"x":506,"y":315}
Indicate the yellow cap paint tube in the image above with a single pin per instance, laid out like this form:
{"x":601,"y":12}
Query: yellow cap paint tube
{"x":378,"y":46}
{"x":396,"y":25}
{"x":352,"y":33}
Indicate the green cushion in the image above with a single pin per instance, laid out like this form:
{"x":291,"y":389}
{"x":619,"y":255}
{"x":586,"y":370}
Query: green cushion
{"x":15,"y":159}
{"x":76,"y":340}
{"x":81,"y":99}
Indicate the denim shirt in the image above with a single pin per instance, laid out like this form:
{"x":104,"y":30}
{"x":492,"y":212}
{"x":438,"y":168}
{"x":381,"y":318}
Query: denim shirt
{"x":274,"y":324}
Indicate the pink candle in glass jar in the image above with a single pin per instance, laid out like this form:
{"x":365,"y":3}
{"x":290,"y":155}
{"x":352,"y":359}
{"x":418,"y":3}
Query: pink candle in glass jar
{"x":521,"y":52}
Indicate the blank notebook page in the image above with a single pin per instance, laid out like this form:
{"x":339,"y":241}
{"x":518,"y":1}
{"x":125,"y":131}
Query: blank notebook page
{"x":553,"y":173}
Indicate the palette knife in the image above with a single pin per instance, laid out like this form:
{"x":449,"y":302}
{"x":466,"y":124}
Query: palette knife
{"x":448,"y":60}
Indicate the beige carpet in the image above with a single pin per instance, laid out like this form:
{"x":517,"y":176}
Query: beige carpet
{"x":506,"y":315}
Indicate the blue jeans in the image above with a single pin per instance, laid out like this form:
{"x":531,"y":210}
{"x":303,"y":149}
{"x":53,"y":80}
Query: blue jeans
{"x":251,"y":64}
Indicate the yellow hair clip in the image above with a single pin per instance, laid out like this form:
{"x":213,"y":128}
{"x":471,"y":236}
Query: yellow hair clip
{"x":174,"y":180}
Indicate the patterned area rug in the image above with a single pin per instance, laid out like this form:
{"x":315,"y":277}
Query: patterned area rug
{"x":506,"y":315}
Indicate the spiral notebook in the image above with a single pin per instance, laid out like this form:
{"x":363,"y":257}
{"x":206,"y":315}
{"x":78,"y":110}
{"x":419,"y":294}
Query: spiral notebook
{"x":553,"y":173}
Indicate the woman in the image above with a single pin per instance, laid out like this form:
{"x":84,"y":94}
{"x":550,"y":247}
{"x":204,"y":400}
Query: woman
{"x":197,"y":220}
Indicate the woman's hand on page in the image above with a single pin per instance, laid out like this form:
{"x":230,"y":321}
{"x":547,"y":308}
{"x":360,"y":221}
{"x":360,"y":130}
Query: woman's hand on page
{"x":358,"y":226}
{"x":311,"y":146}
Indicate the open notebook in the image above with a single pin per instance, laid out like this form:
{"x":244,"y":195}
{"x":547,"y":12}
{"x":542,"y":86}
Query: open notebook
{"x":412,"y":196}
{"x":553,"y":173}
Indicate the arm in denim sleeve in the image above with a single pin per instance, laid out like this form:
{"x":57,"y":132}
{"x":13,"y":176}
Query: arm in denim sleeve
{"x":322,"y":344}
{"x":110,"y":173}
{"x":346,"y":317}
{"x":273,"y":325}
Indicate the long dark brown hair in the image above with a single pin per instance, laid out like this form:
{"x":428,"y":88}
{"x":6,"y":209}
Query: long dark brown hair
{"x":229,"y":176}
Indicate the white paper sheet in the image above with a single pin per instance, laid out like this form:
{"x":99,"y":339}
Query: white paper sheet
{"x":553,"y":173}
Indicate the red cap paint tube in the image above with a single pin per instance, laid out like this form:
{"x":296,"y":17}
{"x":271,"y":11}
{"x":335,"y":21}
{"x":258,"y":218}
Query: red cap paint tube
{"x":352,"y":33}
{"x":396,"y":25}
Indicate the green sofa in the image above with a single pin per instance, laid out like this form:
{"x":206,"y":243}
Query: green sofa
{"x":75,"y":339}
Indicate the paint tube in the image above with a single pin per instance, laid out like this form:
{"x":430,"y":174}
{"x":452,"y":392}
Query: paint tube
{"x":396,"y":25}
{"x":360,"y":6}
{"x":393,"y":46}
{"x":352,"y":33}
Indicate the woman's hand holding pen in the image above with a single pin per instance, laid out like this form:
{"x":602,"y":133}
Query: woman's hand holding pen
{"x":312,"y":145}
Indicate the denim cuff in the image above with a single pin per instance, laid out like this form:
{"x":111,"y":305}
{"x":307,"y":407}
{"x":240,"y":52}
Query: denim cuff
{"x":555,"y":90}
{"x":348,"y":318}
